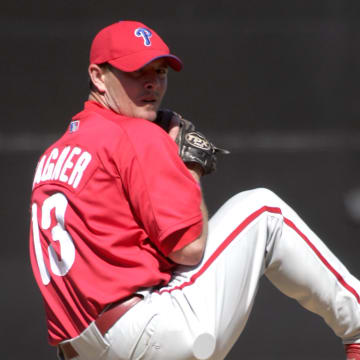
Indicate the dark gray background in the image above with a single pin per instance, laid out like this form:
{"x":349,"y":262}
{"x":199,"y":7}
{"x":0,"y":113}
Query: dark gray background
{"x":277,"y":82}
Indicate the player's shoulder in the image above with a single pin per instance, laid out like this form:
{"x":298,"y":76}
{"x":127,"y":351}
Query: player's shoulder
{"x":95,"y":130}
{"x":142,"y":128}
{"x":144,"y":139}
{"x":140,"y":131}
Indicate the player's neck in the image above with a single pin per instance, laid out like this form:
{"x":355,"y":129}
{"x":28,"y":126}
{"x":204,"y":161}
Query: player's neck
{"x":95,"y":96}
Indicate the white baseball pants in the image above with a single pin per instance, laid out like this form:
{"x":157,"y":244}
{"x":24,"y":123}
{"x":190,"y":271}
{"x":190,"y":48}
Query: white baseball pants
{"x":203,"y":310}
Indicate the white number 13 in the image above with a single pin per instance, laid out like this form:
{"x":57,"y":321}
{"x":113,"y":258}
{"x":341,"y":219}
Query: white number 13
{"x":61,"y":267}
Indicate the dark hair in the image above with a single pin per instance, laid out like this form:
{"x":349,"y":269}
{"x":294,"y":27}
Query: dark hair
{"x":103,"y":66}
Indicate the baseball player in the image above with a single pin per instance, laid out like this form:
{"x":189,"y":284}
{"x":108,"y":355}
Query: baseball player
{"x":127,"y":262}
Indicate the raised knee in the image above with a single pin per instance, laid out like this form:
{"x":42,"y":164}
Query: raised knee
{"x":258,"y":197}
{"x":264,"y":193}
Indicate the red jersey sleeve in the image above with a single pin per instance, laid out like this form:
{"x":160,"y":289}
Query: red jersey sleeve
{"x":164,"y":196}
{"x":180,"y":238}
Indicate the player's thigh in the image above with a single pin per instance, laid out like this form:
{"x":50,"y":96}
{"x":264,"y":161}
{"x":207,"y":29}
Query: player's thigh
{"x":130,"y":337}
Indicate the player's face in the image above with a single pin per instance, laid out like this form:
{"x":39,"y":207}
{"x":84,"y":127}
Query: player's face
{"x":139,"y":93}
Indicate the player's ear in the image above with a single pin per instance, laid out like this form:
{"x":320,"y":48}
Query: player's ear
{"x":96,"y":74}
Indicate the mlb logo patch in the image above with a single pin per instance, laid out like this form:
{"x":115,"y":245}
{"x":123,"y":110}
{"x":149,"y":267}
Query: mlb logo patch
{"x":74,"y":126}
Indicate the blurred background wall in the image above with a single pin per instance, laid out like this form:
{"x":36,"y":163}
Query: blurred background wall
{"x":276,"y":82}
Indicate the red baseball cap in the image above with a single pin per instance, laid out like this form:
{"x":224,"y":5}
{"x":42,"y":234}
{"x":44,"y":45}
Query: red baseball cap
{"x":130,"y":45}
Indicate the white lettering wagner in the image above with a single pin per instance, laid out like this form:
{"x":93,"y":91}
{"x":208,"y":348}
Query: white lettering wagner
{"x":67,"y":166}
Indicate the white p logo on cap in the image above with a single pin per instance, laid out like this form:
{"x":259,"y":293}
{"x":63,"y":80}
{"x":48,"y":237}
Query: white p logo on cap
{"x":145,"y":34}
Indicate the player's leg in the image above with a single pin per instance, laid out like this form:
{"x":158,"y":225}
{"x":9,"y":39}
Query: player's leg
{"x":253,"y":233}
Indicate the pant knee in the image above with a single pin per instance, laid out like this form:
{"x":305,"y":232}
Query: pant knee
{"x":258,"y":197}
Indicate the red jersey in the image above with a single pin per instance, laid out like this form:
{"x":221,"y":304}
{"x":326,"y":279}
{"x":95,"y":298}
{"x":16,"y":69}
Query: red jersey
{"x":111,"y":199}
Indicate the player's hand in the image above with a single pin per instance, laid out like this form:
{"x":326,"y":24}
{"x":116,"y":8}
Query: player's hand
{"x":193,"y":146}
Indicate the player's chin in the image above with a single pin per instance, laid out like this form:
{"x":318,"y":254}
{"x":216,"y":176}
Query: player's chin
{"x":149,"y":112}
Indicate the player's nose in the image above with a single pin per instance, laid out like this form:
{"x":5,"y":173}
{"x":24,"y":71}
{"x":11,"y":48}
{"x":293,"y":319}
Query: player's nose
{"x":152,"y":81}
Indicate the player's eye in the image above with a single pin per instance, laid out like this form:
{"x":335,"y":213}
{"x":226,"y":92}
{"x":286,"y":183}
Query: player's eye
{"x":162,"y":71}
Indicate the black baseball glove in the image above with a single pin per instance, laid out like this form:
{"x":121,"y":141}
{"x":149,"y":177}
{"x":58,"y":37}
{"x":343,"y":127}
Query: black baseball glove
{"x":194,"y":147}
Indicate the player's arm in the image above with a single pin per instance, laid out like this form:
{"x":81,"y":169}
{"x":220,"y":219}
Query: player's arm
{"x":199,"y":155}
{"x":192,"y":253}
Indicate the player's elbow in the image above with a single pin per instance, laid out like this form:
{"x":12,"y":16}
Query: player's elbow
{"x":194,"y":253}
{"x":190,"y":254}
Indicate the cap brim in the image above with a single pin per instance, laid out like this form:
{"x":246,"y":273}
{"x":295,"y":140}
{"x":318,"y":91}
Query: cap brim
{"x":136,"y":61}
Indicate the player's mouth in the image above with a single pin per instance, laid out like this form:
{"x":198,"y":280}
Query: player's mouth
{"x":150,"y":99}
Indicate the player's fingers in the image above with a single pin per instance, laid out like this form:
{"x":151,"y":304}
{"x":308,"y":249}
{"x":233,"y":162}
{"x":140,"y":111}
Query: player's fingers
{"x":173,"y":132}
